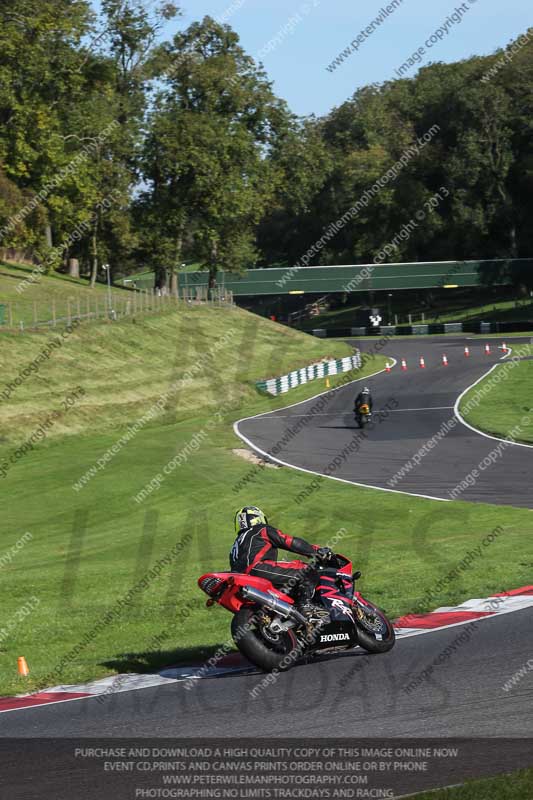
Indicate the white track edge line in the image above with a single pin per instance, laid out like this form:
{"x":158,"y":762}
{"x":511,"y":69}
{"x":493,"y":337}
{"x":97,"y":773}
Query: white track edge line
{"x":461,"y":419}
{"x":390,"y":410}
{"x":50,"y":703}
{"x":168,"y":681}
{"x":487,"y":615}
{"x":330,"y":477}
{"x":88,"y":696}
{"x":321,"y":474}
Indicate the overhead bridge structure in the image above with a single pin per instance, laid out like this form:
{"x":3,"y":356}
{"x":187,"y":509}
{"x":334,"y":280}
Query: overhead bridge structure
{"x":349,"y":278}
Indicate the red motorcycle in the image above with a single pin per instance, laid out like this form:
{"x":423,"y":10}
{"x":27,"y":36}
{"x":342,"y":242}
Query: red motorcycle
{"x":269,"y":630}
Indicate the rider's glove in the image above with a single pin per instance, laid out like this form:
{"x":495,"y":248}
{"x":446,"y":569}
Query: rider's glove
{"x":324,"y":554}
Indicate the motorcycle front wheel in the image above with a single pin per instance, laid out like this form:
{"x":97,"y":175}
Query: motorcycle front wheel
{"x":268,"y":651}
{"x":375,"y":632}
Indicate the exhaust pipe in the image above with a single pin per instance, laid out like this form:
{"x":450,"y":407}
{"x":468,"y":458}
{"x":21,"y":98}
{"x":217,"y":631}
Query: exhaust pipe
{"x":274,"y":603}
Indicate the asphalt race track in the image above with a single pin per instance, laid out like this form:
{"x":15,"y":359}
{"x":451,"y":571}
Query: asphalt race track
{"x":349,"y":695}
{"x":416,"y":404}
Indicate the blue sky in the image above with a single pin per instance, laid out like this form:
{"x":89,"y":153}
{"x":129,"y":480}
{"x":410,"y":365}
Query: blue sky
{"x":311,"y":33}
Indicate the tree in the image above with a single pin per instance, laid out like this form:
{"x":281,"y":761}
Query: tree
{"x":39,"y":56}
{"x":126,"y":41}
{"x":301,"y":164}
{"x":206,"y":155}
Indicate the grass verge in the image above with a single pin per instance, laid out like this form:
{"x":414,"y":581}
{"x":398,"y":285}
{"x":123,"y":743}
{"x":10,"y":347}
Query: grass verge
{"x":516,"y":786}
{"x":505,"y":397}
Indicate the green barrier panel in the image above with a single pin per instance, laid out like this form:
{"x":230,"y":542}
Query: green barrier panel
{"x":351,"y":278}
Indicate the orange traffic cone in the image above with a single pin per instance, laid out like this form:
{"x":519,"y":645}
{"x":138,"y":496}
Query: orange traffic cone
{"x":422,"y":363}
{"x":487,"y":349}
{"x":22,"y":666}
{"x":404,"y":364}
{"x":444,"y":360}
{"x":467,"y":351}
{"x":504,"y":347}
{"x":387,"y":367}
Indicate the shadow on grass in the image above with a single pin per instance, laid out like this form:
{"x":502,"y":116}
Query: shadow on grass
{"x":518,"y":314}
{"x":154,"y":660}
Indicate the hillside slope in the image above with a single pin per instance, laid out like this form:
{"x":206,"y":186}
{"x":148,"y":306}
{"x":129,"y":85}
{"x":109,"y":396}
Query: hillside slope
{"x":125,"y":367}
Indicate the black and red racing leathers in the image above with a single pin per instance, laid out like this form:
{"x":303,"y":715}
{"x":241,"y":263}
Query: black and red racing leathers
{"x":255,"y":552}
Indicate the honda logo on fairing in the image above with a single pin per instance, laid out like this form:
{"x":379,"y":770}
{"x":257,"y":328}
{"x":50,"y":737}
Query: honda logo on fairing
{"x":335,"y":637}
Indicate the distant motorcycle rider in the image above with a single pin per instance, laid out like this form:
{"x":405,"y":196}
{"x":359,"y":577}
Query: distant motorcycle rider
{"x":254,"y":552}
{"x":363,"y":398}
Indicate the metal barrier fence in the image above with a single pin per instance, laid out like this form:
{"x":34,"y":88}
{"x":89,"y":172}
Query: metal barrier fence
{"x":61,"y":311}
{"x":428,"y":329}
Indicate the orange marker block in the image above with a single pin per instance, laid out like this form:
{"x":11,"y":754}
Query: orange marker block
{"x":22,"y":666}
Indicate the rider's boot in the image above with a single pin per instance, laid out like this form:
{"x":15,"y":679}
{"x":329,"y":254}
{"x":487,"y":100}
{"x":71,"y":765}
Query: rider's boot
{"x":304,"y":602}
{"x":308,"y":609}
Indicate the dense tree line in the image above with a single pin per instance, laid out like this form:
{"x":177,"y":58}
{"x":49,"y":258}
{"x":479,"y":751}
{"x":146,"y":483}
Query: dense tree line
{"x":115,"y":147}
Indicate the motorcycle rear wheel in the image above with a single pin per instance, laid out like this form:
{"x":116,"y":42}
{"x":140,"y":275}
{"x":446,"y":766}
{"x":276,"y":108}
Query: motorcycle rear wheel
{"x":247,"y":636}
{"x":372,"y":624}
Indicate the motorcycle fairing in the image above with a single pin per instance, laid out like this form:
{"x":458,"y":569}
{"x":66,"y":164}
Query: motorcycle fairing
{"x":224,"y":588}
{"x":334,"y":592}
{"x":336,"y":634}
